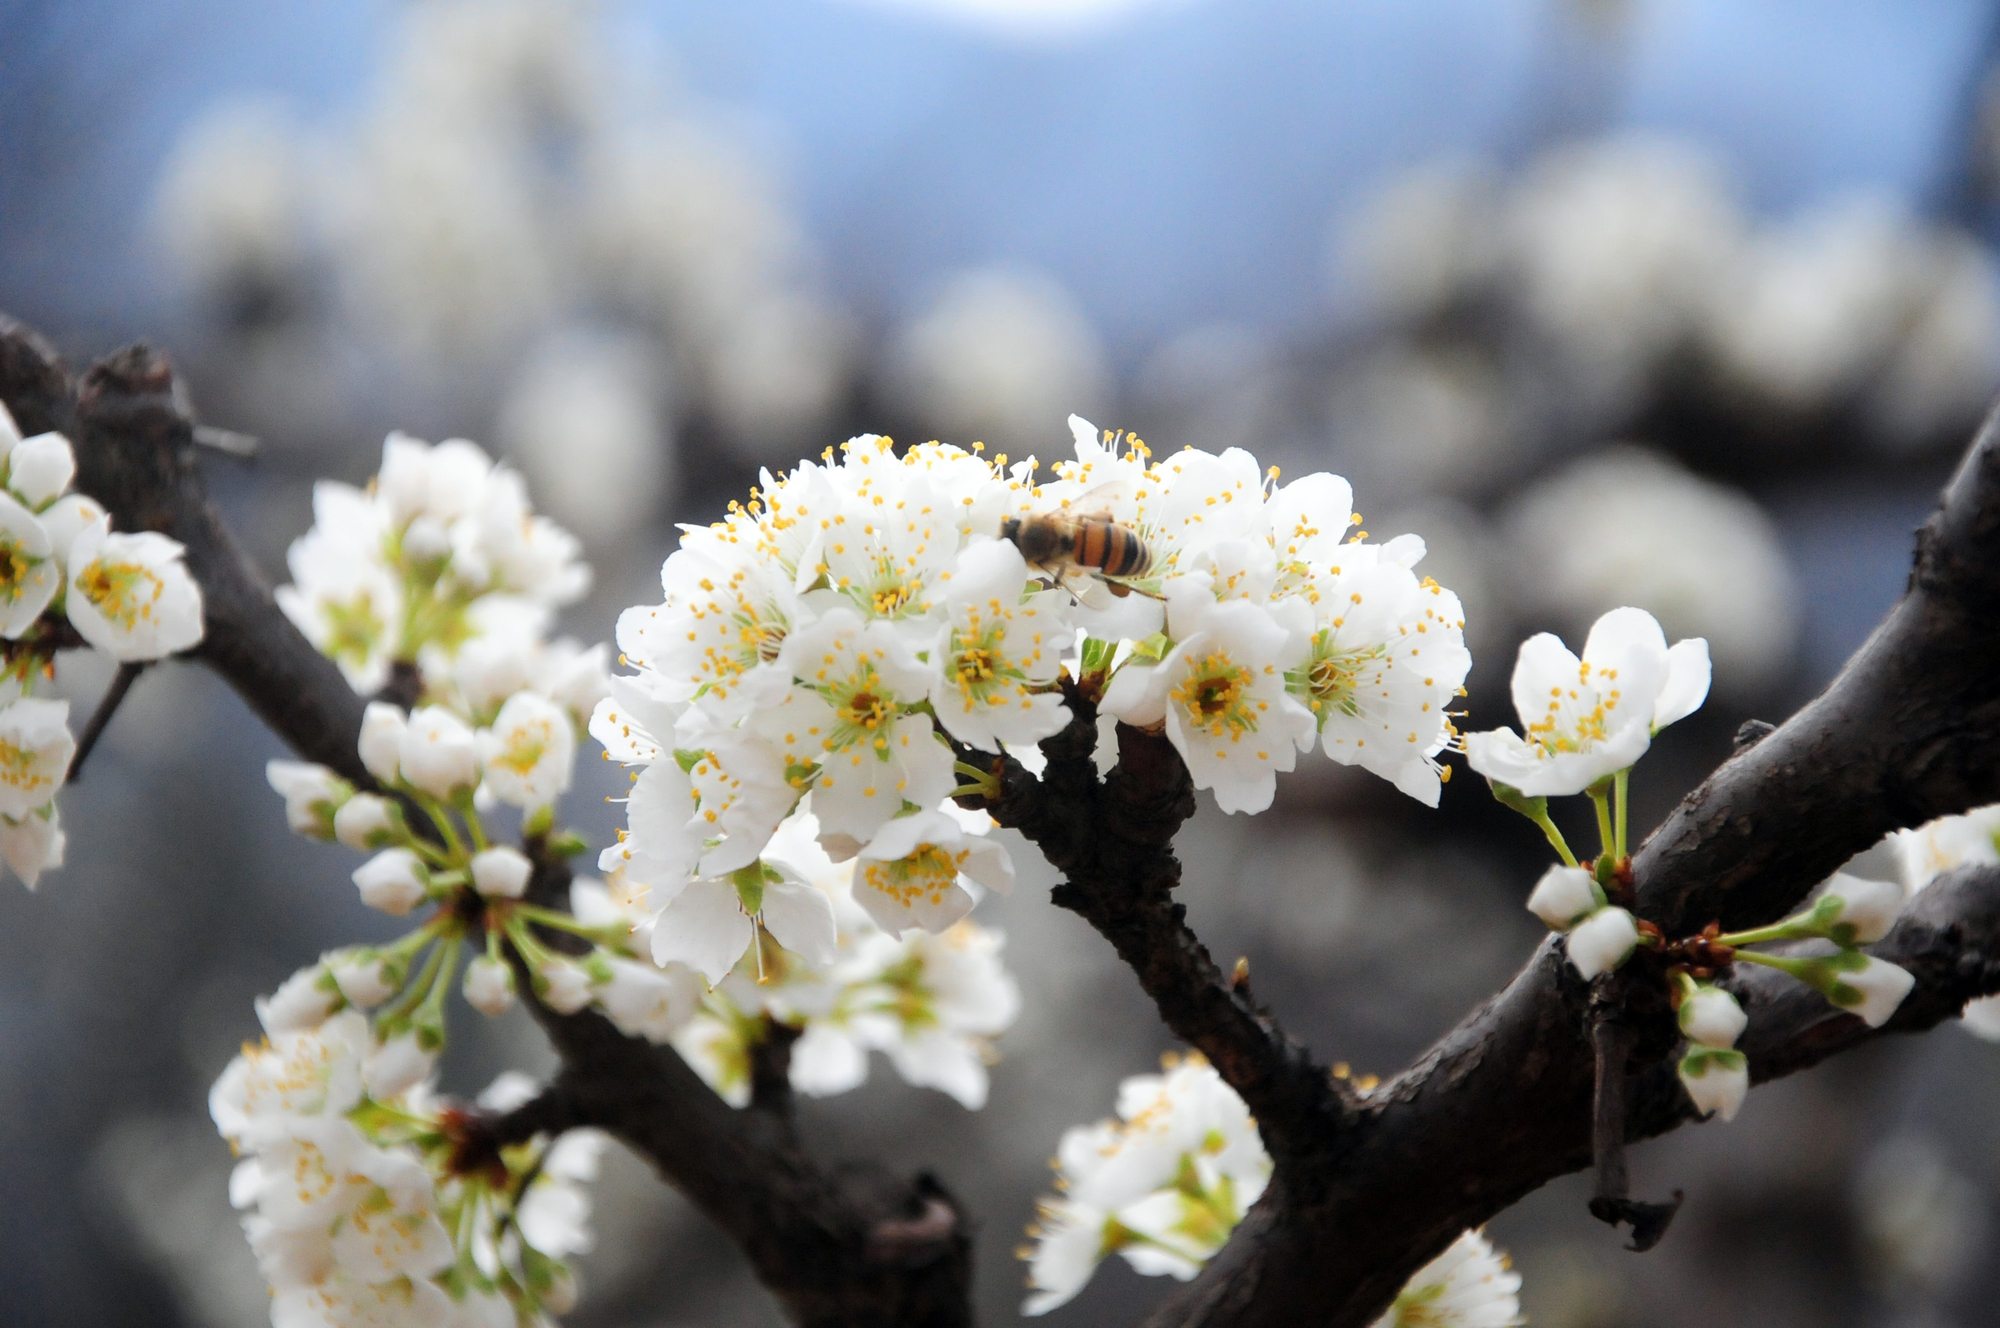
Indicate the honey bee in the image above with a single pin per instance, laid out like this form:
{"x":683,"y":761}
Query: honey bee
{"x":1082,"y":544}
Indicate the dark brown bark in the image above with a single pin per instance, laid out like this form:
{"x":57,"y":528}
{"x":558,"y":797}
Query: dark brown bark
{"x":1368,"y":1186}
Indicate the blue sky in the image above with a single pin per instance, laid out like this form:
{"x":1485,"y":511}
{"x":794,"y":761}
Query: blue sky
{"x":1176,"y":163}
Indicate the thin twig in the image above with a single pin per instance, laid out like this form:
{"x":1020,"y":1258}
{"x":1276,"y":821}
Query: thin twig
{"x":100,"y":719}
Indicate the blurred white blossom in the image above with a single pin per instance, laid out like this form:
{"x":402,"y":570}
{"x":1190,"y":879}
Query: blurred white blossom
{"x":1627,"y":526}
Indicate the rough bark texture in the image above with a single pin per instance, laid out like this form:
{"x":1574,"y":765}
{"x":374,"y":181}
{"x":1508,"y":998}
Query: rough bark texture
{"x":1368,"y":1186}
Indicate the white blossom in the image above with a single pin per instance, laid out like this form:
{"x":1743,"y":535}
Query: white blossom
{"x":1470,"y":1285}
{"x":1938,"y":846}
{"x":365,"y":822}
{"x":1002,"y":654}
{"x":313,"y":796}
{"x":644,"y":1001}
{"x":35,"y":752}
{"x":489,"y":986}
{"x":394,"y":1067}
{"x":501,"y":872}
{"x":1564,"y":897}
{"x":711,"y":923}
{"x":364,"y":977}
{"x":29,"y":572}
{"x":529,"y":752}
{"x":1866,"y":911}
{"x":34,"y":844}
{"x":302,"y":1001}
{"x":1717,"y":1080}
{"x":68,"y":517}
{"x":908,"y":874}
{"x":394,"y":881}
{"x":1589,"y":718}
{"x":1601,"y":941}
{"x":1221,"y":694}
{"x":40,"y":468}
{"x":1872,"y":990}
{"x":1712,"y":1018}
{"x":311,"y":1071}
{"x":131,"y":595}
{"x":848,"y":721}
{"x":381,"y":746}
{"x":438,"y":753}
{"x":1163,"y":1185}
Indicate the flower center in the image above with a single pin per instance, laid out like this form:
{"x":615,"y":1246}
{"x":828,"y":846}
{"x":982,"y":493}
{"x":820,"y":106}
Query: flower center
{"x":123,"y":592}
{"x":927,"y":873}
{"x":1213,"y":696}
{"x":15,"y":564}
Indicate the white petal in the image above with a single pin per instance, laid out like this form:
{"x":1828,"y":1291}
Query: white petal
{"x":705,"y":929}
{"x":1687,"y":682}
{"x":801,"y":918}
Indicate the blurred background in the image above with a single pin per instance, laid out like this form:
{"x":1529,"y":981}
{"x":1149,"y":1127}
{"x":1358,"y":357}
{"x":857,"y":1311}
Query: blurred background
{"x":1689,"y":305}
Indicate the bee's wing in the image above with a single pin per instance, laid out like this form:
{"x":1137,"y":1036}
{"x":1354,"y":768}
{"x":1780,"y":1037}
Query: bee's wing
{"x":1080,"y":582}
{"x":1102,"y":498}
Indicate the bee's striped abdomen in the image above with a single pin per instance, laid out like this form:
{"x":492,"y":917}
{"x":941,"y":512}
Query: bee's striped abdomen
{"x":1111,"y":548}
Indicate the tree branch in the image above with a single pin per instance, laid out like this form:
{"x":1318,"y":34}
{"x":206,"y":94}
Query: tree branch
{"x":847,"y":1246}
{"x":1502,"y":1104}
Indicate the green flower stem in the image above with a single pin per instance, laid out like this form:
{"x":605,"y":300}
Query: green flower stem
{"x":1814,"y":922}
{"x":430,"y":1013}
{"x":1688,"y":986}
{"x":1536,"y":810}
{"x":983,"y":781}
{"x":546,"y":917}
{"x":1607,"y":838}
{"x":454,"y":845}
{"x":393,"y":1015}
{"x":1621,"y":792}
{"x":463,"y":802}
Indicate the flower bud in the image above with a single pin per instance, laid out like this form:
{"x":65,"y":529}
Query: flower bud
{"x":489,"y":986}
{"x":33,"y":844}
{"x":643,"y":1001}
{"x":426,"y":540}
{"x":1712,"y":1018}
{"x":1600,"y":942}
{"x":41,"y":468}
{"x":1872,"y":989}
{"x":382,"y":727}
{"x":312,"y":795}
{"x":1716,"y":1079}
{"x":1867,"y":908}
{"x":363,"y":977}
{"x":366,"y":821}
{"x":303,"y":1001}
{"x":396,"y":1066}
{"x":438,"y":753}
{"x":563,"y":986}
{"x":1564,"y":897}
{"x":501,"y":872}
{"x":394,"y":881}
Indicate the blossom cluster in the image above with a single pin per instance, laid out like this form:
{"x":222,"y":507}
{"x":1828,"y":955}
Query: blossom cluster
{"x":440,"y":552}
{"x":856,"y":637}
{"x":67,"y":579}
{"x":931,"y":1004}
{"x":352,"y":1201}
{"x":1587,"y":721}
{"x":1164,"y":1183}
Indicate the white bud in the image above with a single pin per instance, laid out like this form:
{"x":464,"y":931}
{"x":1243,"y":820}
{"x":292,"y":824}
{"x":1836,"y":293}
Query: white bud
{"x":1717,"y":1081}
{"x":382,"y":728}
{"x":303,"y":1001}
{"x":393,"y":880}
{"x":1712,"y":1018}
{"x":396,"y":1066}
{"x":1868,"y":907}
{"x":66,"y":519}
{"x":644,"y":1001}
{"x":311,"y":793}
{"x":365,"y":821}
{"x":1600,"y":942}
{"x":34,"y":844}
{"x":1877,"y":987}
{"x":1564,"y":897}
{"x":426,"y":540}
{"x":362,"y":976}
{"x":565,"y":987}
{"x":39,"y":469}
{"x":438,"y":753}
{"x":489,"y":986}
{"x":501,"y":872}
